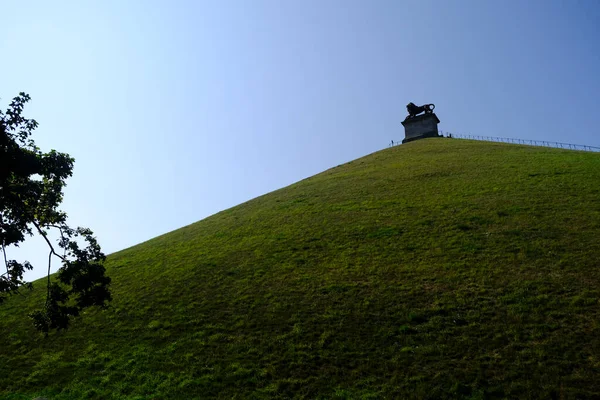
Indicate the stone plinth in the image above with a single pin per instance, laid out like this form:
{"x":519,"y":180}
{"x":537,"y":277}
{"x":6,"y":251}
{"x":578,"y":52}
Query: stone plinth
{"x":420,"y":127}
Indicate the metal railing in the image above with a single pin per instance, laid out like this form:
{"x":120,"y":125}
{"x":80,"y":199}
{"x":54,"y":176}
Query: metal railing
{"x":529,"y":142}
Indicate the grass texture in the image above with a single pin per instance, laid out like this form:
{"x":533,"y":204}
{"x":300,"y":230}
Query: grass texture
{"x":442,"y":268}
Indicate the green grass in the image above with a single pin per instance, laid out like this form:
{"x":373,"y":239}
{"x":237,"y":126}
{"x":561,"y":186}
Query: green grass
{"x":442,"y":268}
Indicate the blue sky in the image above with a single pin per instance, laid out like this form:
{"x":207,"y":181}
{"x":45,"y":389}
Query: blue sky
{"x":175,"y":110}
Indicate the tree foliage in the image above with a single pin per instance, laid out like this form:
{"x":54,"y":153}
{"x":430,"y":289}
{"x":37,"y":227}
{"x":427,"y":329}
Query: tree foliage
{"x":31,"y":190}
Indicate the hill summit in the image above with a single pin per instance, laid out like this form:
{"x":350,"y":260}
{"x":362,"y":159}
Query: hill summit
{"x":441,"y":268}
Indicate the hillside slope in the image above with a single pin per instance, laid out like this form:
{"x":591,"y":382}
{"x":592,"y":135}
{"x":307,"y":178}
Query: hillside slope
{"x":442,"y":268}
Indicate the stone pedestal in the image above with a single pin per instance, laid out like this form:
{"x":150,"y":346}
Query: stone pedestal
{"x":420,"y":127}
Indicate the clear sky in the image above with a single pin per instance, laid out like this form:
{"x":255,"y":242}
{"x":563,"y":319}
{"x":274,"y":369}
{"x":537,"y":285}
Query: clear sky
{"x":175,"y":110}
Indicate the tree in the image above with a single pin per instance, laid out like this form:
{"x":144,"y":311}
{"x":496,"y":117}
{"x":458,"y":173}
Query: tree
{"x":31,"y":190}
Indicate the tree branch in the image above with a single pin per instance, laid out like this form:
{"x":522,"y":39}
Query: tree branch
{"x":48,"y":278}
{"x":5,"y":261}
{"x":47,"y":241}
{"x":4,"y":250}
{"x":39,"y":229}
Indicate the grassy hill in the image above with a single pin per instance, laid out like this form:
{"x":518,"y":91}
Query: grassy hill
{"x":442,"y":268}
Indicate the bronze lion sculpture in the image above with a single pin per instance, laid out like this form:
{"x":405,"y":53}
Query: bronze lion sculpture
{"x":414,"y":110}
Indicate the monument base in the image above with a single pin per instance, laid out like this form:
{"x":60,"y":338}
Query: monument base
{"x":420,"y":127}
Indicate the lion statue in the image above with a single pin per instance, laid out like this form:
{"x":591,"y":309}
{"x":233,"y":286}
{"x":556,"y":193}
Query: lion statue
{"x":413,"y":110}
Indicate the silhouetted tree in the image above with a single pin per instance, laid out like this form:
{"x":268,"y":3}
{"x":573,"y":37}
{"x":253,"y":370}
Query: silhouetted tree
{"x":31,"y":190}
